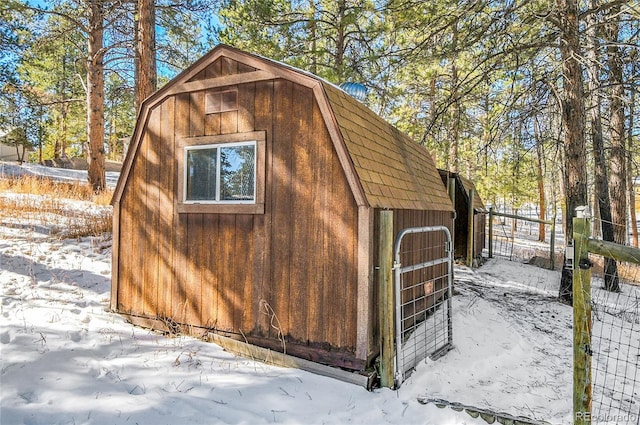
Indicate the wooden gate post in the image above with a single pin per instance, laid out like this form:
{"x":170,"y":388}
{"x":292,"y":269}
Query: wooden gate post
{"x":491,"y":232}
{"x":552,"y":243}
{"x":581,"y":320}
{"x":451,"y":188}
{"x":470,"y":229}
{"x":387,"y":305}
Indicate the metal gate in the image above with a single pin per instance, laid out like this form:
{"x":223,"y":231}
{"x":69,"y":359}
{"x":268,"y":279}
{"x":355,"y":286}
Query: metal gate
{"x":423,"y":278}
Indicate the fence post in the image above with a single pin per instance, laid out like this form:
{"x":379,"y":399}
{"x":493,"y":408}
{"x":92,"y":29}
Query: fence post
{"x":552,"y":243}
{"x":491,"y":232}
{"x":387,"y":305}
{"x":470,"y":229}
{"x":451,"y":188}
{"x":581,"y":319}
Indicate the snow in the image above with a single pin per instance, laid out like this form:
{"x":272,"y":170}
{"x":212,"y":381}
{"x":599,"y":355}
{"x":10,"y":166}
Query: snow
{"x":66,"y":360}
{"x":13,"y":169}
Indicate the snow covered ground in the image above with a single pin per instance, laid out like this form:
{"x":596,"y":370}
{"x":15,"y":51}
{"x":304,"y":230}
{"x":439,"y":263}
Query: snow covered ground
{"x":66,"y":360}
{"x":13,"y":169}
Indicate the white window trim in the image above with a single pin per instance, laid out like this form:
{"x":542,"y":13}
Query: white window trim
{"x":217,"y":146}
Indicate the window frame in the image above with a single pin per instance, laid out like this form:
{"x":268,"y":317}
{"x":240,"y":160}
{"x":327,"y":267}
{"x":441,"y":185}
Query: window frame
{"x":186,"y":144}
{"x":218,"y":176}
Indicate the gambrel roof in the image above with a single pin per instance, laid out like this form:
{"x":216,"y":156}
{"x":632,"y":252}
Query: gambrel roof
{"x":464,"y":185}
{"x":384,"y":167}
{"x":478,"y":205}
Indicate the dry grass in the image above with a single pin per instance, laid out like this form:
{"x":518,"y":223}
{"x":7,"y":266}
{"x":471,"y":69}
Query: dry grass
{"x":36,"y":201}
{"x":628,"y":272}
{"x":36,"y":185}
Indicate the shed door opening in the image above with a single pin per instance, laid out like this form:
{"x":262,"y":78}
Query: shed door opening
{"x":423,"y":280}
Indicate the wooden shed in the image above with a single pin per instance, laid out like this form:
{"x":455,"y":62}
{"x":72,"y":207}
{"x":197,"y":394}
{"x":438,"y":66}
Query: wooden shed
{"x":248,"y":206}
{"x":462,"y":187}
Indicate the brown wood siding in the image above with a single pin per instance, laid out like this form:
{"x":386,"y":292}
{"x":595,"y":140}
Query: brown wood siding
{"x":292,"y":269}
{"x":480,"y":222}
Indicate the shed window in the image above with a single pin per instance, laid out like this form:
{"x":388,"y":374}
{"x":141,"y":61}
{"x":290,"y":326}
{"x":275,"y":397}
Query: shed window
{"x":221,"y":101}
{"x":224,"y":173}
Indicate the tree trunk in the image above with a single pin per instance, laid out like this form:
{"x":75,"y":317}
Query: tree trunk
{"x":618,"y":180}
{"x":573,"y":119}
{"x":63,"y":139}
{"x":599,"y":163}
{"x":540,"y":176}
{"x":146,"y":50}
{"x":454,"y":134}
{"x":313,"y":26}
{"x":630,"y":173}
{"x":95,"y":96}
{"x":340,"y":40}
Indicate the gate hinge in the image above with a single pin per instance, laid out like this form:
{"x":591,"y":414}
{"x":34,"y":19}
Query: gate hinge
{"x":396,"y":265}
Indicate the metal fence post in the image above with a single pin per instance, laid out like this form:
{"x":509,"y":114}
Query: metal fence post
{"x":552,"y":243}
{"x":581,"y":319}
{"x":490,"y":232}
{"x":470,"y":229}
{"x":387,"y":305}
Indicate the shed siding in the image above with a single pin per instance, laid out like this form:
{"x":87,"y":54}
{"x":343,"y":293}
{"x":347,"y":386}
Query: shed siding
{"x":480,"y":235}
{"x":294,"y":267}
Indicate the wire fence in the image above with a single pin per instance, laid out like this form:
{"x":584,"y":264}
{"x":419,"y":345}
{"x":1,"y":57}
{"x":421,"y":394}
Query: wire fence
{"x":615,"y":340}
{"x":518,"y":235}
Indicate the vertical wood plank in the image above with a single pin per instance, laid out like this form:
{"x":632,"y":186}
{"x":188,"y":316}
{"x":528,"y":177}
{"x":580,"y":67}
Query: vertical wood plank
{"x":582,"y":392}
{"x":228,"y":122}
{"x":264,"y":120}
{"x":242,"y":68}
{"x":326,"y":158}
{"x":194,"y":237}
{"x":228,"y":66}
{"x":125,"y":255}
{"x":387,"y":307}
{"x":193,"y":307}
{"x":139,"y":200}
{"x":229,"y":298}
{"x":320,"y":141}
{"x":179,"y":292}
{"x":115,"y":258}
{"x":167,"y":192}
{"x":246,"y":107}
{"x":244,"y":249}
{"x":470,"y":229}
{"x":302,"y":274}
{"x":210,"y":269}
{"x":196,"y":113}
{"x":212,"y":124}
{"x":364,"y":337}
{"x":212,"y":121}
{"x":215,"y":69}
{"x":151,"y":242}
{"x":282,"y":212}
{"x":350,"y":268}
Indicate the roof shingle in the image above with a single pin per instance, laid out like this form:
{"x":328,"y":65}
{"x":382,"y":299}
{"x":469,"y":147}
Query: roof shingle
{"x":395,"y":171}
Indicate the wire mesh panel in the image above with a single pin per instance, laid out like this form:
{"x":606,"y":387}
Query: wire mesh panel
{"x":615,"y":340}
{"x":422,"y":280}
{"x":524,"y":239}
